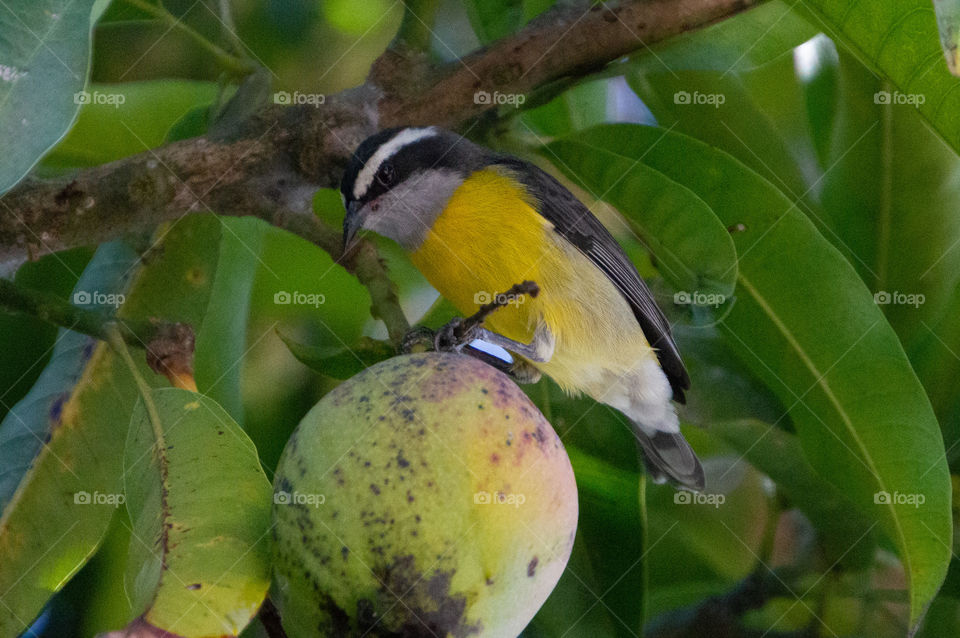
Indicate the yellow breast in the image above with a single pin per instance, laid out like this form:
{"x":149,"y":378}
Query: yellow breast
{"x":488,"y":238}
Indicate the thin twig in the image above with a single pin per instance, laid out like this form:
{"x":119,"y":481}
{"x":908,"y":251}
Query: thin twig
{"x":499,"y":301}
{"x":233,"y":64}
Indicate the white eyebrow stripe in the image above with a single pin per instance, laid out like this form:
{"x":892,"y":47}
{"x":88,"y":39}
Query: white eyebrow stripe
{"x":387,"y":150}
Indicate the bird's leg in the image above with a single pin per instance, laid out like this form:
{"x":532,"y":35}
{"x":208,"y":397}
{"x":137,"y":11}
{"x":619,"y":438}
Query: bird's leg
{"x":457,"y":334}
{"x":523,"y":371}
{"x":540,"y":350}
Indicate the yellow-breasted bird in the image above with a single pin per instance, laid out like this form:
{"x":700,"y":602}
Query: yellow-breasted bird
{"x":476,"y":222}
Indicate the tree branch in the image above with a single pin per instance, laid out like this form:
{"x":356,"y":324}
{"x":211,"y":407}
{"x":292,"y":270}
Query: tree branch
{"x":273,"y":163}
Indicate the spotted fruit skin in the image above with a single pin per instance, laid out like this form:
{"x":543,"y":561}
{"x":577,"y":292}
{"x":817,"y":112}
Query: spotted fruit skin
{"x":425,"y":496}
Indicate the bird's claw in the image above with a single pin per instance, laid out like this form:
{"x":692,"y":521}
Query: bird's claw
{"x":452,"y":337}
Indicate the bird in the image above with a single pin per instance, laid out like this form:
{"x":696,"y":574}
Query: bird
{"x":475,"y":222}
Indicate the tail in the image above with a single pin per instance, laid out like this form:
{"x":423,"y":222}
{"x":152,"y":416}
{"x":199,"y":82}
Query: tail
{"x":669,"y":457}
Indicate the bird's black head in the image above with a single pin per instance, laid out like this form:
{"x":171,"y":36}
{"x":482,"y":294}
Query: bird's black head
{"x":399,"y":178}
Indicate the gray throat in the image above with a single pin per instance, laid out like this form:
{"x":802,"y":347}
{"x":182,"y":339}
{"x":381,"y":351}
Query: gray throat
{"x":406,"y":212}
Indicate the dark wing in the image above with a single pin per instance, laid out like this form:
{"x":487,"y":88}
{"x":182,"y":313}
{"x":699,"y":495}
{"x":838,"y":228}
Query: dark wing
{"x":577,"y":225}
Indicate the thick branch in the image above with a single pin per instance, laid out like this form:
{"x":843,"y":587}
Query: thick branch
{"x":564,"y":42}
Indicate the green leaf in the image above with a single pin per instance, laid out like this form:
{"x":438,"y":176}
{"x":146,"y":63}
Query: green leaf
{"x":898,"y":39}
{"x":125,"y":119}
{"x":806,"y":324}
{"x":936,"y":358}
{"x":722,"y":387}
{"x":63,"y":506}
{"x":779,"y":455}
{"x":200,"y":507}
{"x":693,"y":249}
{"x":736,"y":121}
{"x":740,"y":43}
{"x":58,"y":464}
{"x":609,"y":509}
{"x":495,"y":19}
{"x":30,"y":422}
{"x":579,"y":107}
{"x":27,"y":344}
{"x":890,"y":197}
{"x":44,"y":61}
{"x":714,"y":540}
{"x":222,"y":339}
{"x":336,"y":360}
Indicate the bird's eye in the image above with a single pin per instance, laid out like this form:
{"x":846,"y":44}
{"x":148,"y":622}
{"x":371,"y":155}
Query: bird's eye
{"x":387,"y":174}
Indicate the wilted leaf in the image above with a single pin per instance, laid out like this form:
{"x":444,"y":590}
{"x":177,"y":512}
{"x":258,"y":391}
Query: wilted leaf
{"x":948,"y":19}
{"x":64,"y":503}
{"x":200,"y":507}
{"x":58,"y":464}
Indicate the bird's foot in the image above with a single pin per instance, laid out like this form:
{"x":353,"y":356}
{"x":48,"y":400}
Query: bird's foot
{"x":455,"y":334}
{"x":524,"y":372}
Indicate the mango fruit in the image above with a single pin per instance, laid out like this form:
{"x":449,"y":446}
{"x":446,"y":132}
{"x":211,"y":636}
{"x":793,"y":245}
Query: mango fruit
{"x":425,"y":496}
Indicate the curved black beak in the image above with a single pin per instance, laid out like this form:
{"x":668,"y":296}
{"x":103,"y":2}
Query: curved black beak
{"x":351,"y":223}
